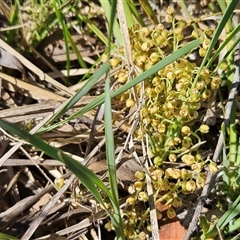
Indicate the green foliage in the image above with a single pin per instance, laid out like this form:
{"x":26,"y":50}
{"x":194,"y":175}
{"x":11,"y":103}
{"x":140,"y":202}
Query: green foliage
{"x":4,"y":236}
{"x":91,"y":181}
{"x":175,"y":89}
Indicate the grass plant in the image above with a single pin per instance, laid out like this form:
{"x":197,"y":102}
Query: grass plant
{"x":172,"y":95}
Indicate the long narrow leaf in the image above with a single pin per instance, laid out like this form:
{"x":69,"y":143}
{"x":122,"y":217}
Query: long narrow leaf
{"x":158,"y":66}
{"x":86,"y":176}
{"x":68,"y":38}
{"x":91,"y":26}
{"x":83,"y":91}
{"x":226,"y":218}
{"x":226,"y":16}
{"x":223,"y":45}
{"x":106,"y":5}
{"x":110,"y":148}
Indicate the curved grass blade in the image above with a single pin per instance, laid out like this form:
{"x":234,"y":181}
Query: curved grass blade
{"x":91,"y":26}
{"x":226,"y":16}
{"x":107,"y":7}
{"x":86,"y":176}
{"x":135,"y":12}
{"x":68,"y":38}
{"x":158,"y":66}
{"x":90,"y":180}
{"x":149,"y":11}
{"x":224,"y":44}
{"x":229,"y":215}
{"x":83,"y":91}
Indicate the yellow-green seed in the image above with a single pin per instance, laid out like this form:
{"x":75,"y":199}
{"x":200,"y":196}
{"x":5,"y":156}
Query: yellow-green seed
{"x":188,"y":159}
{"x":171,"y":213}
{"x":143,"y":196}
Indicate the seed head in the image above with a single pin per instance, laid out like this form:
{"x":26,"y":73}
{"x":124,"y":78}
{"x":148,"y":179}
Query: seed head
{"x":157,"y":174}
{"x":191,"y":186}
{"x":130,"y":102}
{"x":176,"y":173}
{"x":200,"y":181}
{"x":185,"y":174}
{"x":204,"y":128}
{"x":177,"y":202}
{"x":197,"y":167}
{"x":172,"y":157}
{"x":138,"y":185}
{"x":171,"y":213}
{"x":144,"y":32}
{"x":59,"y":182}
{"x":213,"y":167}
{"x":206,"y":94}
{"x":169,"y":173}
{"x":158,"y":161}
{"x":114,"y":62}
{"x":170,"y":10}
{"x":206,"y":43}
{"x":161,"y":128}
{"x":188,"y":159}
{"x":186,"y":130}
{"x":130,"y":200}
{"x":154,"y":57}
{"x":140,"y":175}
{"x":171,"y":76}
{"x":142,"y":196}
{"x":202,"y":52}
{"x":109,"y":226}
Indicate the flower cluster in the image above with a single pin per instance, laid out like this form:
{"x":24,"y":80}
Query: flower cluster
{"x":172,"y":101}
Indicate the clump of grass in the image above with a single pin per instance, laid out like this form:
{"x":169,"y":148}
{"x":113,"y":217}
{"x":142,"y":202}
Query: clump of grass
{"x":172,"y":91}
{"x":172,"y":104}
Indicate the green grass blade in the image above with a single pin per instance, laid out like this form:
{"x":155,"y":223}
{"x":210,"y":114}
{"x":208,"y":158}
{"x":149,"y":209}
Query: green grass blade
{"x":106,"y":5}
{"x":91,"y":26}
{"x":110,"y":147}
{"x":149,"y":11}
{"x":230,"y":50}
{"x":110,"y":155}
{"x":82,"y":92}
{"x":75,"y":49}
{"x":4,"y":236}
{"x":158,"y":66}
{"x":225,"y":219}
{"x":87,"y":177}
{"x":14,"y":20}
{"x":226,"y":16}
{"x":68,"y":38}
{"x":234,"y":226}
{"x":222,"y":5}
{"x":238,"y":154}
{"x":224,"y":44}
{"x":128,"y":14}
{"x":135,"y":12}
{"x":39,"y":34}
{"x":64,"y":30}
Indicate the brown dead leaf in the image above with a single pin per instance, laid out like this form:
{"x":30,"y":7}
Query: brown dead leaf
{"x":125,"y":172}
{"x":34,"y":91}
{"x":173,"y":231}
{"x":54,"y":237}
